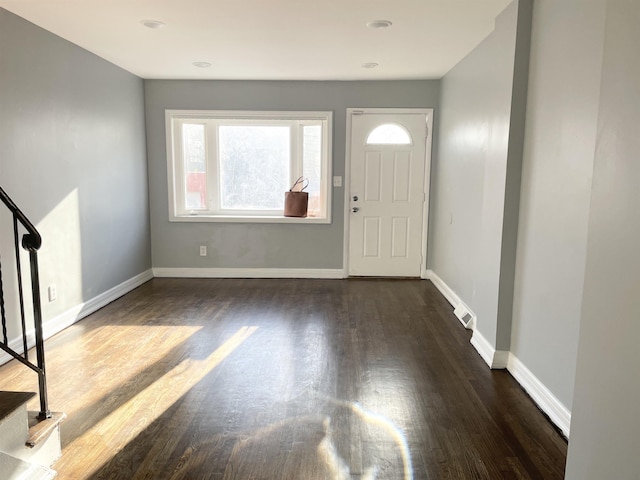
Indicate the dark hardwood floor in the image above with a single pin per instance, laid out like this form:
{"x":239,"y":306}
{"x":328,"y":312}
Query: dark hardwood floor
{"x":286,"y":379}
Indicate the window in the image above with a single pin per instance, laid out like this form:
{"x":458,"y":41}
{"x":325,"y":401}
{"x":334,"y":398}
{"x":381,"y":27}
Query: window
{"x":236,"y":166}
{"x":389,"y":134}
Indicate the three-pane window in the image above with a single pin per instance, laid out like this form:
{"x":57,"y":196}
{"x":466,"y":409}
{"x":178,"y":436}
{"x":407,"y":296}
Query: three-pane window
{"x":236,"y":166}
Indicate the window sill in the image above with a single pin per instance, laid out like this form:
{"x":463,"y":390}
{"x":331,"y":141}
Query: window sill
{"x":249,"y":219}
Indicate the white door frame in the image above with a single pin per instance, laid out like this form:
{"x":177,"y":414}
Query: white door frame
{"x":427,"y":179}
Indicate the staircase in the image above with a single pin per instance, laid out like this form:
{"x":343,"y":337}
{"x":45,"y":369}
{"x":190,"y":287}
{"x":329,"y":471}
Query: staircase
{"x":29,"y":441}
{"x":28,"y":446}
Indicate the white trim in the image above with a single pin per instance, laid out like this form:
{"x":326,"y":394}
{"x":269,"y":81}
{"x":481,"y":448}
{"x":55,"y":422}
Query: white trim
{"x":251,"y":219}
{"x":444,"y":289}
{"x":500,"y":359}
{"x":248,"y":272}
{"x":428,"y":112}
{"x":347,"y":195}
{"x":391,"y":111}
{"x":249,"y":114}
{"x":496,"y":359}
{"x":427,"y":191}
{"x":451,"y":297}
{"x":77,"y":313}
{"x":541,"y":395}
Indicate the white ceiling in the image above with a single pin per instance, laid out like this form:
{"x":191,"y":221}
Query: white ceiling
{"x":271,"y":39}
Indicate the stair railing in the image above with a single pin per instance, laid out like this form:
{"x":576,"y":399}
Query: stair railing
{"x":31,"y":242}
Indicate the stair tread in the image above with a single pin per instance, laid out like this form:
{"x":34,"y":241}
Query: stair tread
{"x":11,"y":401}
{"x":40,"y":429}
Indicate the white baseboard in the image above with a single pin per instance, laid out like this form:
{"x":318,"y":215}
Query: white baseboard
{"x":444,"y":289}
{"x":60,"y":322}
{"x":547,"y":401}
{"x":496,"y":359}
{"x":500,"y":359}
{"x":248,"y":272}
{"x":451,"y":296}
{"x":16,"y":346}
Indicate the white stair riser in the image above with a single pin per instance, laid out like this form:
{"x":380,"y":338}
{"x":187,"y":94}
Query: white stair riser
{"x":45,"y":453}
{"x":16,"y":455}
{"x":12,"y":468}
{"x":14,"y":431}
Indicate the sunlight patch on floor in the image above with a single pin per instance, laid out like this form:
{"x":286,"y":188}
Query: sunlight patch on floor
{"x":110,"y":435}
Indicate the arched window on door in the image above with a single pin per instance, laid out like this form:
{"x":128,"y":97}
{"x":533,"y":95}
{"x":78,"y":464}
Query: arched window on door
{"x":389,"y":134}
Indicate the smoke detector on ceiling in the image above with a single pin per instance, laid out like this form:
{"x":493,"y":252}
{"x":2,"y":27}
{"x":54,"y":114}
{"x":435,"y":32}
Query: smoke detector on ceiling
{"x":153,"y":24}
{"x":377,"y":24}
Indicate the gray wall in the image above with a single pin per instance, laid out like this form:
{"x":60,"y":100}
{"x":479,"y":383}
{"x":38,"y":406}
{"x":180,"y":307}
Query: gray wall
{"x":72,"y":156}
{"x":562,"y":111}
{"x":604,"y":438}
{"x":479,"y":109}
{"x":234,"y":245}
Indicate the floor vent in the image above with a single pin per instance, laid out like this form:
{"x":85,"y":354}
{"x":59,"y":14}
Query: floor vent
{"x":464,"y":316}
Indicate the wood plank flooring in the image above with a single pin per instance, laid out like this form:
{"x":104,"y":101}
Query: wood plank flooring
{"x":286,"y":379}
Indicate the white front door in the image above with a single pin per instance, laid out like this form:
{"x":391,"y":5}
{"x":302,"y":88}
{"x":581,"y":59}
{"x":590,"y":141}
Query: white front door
{"x":387,"y":194}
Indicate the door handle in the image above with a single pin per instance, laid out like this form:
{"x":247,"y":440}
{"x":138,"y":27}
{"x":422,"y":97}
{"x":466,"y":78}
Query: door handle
{"x":355,"y":198}
{"x":355,"y":209}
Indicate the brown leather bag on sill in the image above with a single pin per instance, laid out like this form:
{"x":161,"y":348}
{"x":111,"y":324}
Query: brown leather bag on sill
{"x":296,"y":201}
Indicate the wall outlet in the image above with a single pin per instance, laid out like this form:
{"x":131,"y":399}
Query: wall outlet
{"x":53,"y":293}
{"x":203,"y":250}
{"x":337,"y":181}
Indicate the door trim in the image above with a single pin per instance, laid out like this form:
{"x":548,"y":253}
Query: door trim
{"x":428,"y":112}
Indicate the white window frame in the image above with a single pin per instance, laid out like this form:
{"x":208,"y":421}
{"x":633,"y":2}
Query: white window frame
{"x":175,"y":167}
